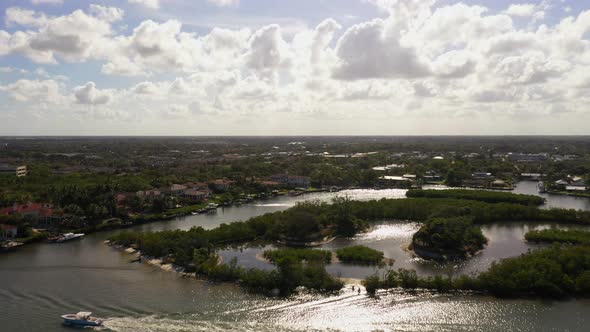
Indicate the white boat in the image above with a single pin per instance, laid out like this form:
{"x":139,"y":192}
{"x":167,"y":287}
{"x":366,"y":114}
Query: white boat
{"x":83,"y":318}
{"x":69,"y":237}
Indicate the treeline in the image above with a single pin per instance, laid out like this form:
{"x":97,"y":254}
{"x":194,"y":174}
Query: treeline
{"x":312,"y":220}
{"x":422,"y":209}
{"x":478,"y":195}
{"x":556,"y":272}
{"x":558,"y":236}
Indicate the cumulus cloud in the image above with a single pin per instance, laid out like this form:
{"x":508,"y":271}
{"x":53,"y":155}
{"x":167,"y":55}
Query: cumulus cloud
{"x":368,"y":50}
{"x":24,"y":17}
{"x":458,"y":58}
{"x":267,"y":50}
{"x":108,"y":14}
{"x":34,"y":91}
{"x":522,"y":10}
{"x":88,"y":94}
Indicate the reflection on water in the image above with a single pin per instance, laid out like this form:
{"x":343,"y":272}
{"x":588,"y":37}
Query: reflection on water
{"x":389,"y":311}
{"x":41,"y":282}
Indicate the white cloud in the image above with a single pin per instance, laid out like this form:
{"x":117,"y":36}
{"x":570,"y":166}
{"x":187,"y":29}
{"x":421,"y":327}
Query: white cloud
{"x":108,"y":14}
{"x":225,"y":3}
{"x":88,"y":94}
{"x":267,"y":51}
{"x":34,"y":91}
{"x":51,"y":2}
{"x":521,"y":10}
{"x":122,"y":66}
{"x":24,"y":17}
{"x":151,"y":4}
{"x":369,"y":50}
{"x":417,"y":60}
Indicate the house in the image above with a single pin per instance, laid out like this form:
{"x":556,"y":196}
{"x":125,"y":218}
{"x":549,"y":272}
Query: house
{"x":532,"y":157}
{"x":177,"y":189}
{"x":42,"y":212}
{"x":221,"y":184}
{"x":269,"y":184}
{"x":199,"y":186}
{"x":298,"y":181}
{"x":571,"y":183}
{"x":194,"y":195}
{"x":8,"y":232}
{"x":148,"y":194}
{"x":19,"y":171}
{"x":292,"y":180}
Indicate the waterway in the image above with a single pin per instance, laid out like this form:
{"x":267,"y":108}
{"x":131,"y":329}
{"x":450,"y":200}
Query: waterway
{"x":40,"y":282}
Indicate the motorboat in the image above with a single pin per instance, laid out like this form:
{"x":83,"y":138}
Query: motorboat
{"x":68,"y":237}
{"x":541,"y":187}
{"x":83,"y":318}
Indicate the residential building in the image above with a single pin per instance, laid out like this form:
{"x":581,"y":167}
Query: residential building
{"x":177,"y":189}
{"x":19,"y":171}
{"x":199,"y":186}
{"x":8,"y":232}
{"x":194,"y":195}
{"x":148,"y":194}
{"x":221,"y":184}
{"x":292,"y":180}
{"x":42,"y":212}
{"x":531,"y":157}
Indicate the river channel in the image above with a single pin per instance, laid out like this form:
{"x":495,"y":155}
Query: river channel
{"x":42,"y":281}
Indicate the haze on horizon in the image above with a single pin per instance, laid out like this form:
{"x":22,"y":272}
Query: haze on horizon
{"x":307,"y":67}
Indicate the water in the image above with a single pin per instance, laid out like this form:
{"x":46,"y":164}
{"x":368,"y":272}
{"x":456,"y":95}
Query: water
{"x":40,"y":282}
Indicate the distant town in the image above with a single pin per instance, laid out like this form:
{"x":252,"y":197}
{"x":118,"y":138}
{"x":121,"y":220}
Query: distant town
{"x":54,"y":186}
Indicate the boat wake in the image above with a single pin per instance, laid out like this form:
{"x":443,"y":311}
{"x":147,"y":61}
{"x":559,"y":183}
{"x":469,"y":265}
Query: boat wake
{"x":184,"y":324}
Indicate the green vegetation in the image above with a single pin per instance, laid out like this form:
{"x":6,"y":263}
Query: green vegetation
{"x":559,"y":236}
{"x":478,"y":195}
{"x":308,"y":255}
{"x":556,"y":272}
{"x":448,"y":238}
{"x":291,"y":272}
{"x":449,"y":227}
{"x":360,"y":255}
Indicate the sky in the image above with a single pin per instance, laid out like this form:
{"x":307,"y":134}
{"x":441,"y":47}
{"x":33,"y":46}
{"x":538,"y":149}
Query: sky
{"x":305,"y":67}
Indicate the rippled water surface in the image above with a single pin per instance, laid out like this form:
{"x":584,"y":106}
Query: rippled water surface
{"x":40,"y":282}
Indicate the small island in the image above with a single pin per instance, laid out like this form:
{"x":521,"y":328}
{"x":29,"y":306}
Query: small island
{"x":360,"y":255}
{"x":448,"y":238}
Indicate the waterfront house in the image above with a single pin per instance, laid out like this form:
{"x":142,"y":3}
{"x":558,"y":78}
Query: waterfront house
{"x":41,"y":212}
{"x":298,"y":181}
{"x":221,"y":184}
{"x":194,"y":195}
{"x":148,"y":194}
{"x":8,"y":232}
{"x":199,"y":186}
{"x":177,"y":189}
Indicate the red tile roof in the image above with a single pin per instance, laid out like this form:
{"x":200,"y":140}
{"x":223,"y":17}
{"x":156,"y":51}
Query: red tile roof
{"x":43,"y":209}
